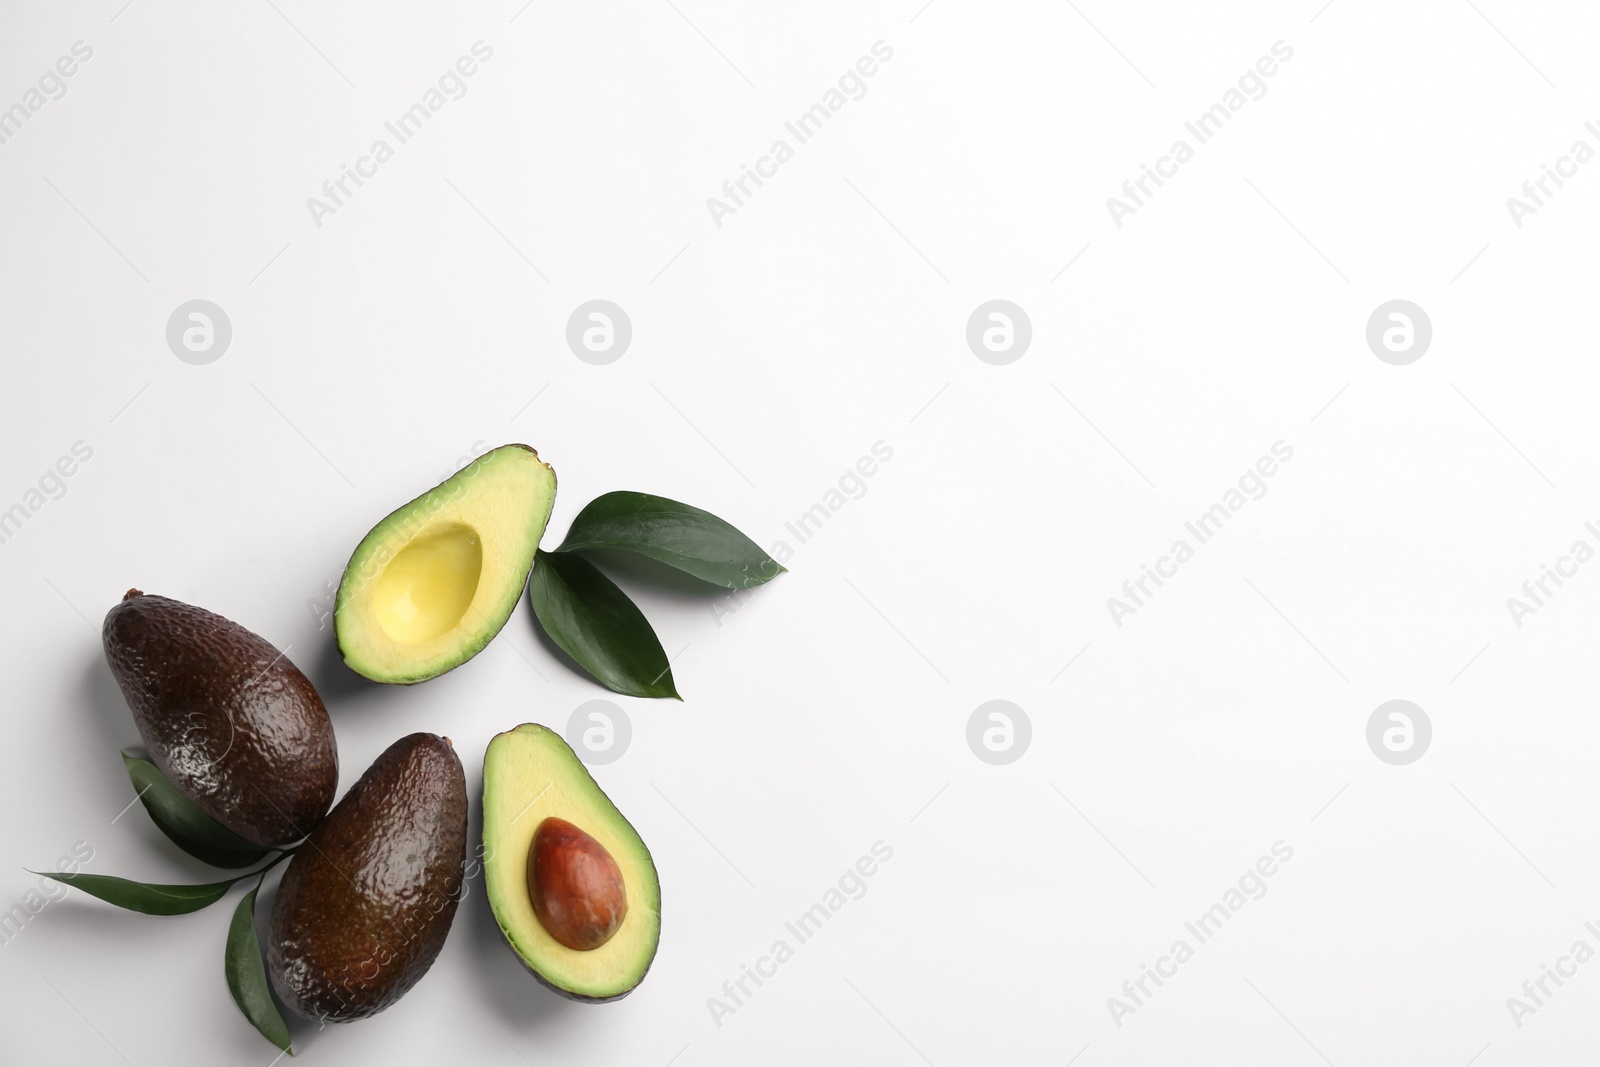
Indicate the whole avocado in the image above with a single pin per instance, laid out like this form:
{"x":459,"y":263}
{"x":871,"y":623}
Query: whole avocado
{"x":368,"y":900}
{"x":227,"y":718}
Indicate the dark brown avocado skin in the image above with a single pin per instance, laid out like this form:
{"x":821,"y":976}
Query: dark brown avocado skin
{"x":227,"y":718}
{"x":367,"y":901}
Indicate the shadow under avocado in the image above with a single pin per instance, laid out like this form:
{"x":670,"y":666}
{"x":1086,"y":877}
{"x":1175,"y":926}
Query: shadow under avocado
{"x":507,"y":990}
{"x":332,"y":677}
{"x":102,"y":705}
{"x":104,"y":716}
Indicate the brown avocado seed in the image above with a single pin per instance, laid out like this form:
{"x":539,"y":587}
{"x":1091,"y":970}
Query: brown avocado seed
{"x":575,"y":885}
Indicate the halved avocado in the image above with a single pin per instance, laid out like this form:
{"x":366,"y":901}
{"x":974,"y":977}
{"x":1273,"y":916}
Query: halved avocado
{"x":532,"y":779}
{"x":432,"y":583}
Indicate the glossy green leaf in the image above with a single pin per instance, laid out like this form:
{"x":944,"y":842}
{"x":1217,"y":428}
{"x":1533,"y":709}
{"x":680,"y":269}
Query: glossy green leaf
{"x":143,"y":896}
{"x":596,"y":624}
{"x":247,"y":975}
{"x":694,"y":541}
{"x":189,"y":828}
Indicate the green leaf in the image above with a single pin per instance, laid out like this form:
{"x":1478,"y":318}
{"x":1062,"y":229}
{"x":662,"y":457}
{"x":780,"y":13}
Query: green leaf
{"x":596,"y":624}
{"x":681,"y":536}
{"x":189,"y":828}
{"x":247,"y":975}
{"x":145,"y":897}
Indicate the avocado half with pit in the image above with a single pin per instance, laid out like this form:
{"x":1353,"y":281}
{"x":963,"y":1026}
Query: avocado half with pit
{"x":571,"y":884}
{"x":432,"y":583}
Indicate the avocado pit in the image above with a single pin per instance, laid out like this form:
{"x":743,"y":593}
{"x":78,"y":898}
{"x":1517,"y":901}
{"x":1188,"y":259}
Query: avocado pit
{"x":575,"y":885}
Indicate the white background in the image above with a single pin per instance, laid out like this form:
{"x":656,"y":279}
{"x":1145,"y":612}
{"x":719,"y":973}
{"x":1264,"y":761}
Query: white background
{"x":372,"y":354}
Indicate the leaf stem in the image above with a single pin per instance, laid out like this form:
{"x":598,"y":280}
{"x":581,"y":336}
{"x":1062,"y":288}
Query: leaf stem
{"x":262,"y":871}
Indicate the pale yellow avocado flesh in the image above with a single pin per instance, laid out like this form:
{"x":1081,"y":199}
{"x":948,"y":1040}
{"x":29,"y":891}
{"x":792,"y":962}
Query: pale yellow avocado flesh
{"x":432,"y":583}
{"x":426,"y":589}
{"x":530,"y":774}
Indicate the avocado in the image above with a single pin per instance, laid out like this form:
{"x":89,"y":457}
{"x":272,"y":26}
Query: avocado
{"x":432,"y":583}
{"x":365,"y":905}
{"x":571,"y":884}
{"x":233,"y":725}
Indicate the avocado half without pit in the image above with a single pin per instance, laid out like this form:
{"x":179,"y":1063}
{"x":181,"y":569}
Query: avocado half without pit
{"x":432,"y":583}
{"x":572,"y":886}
